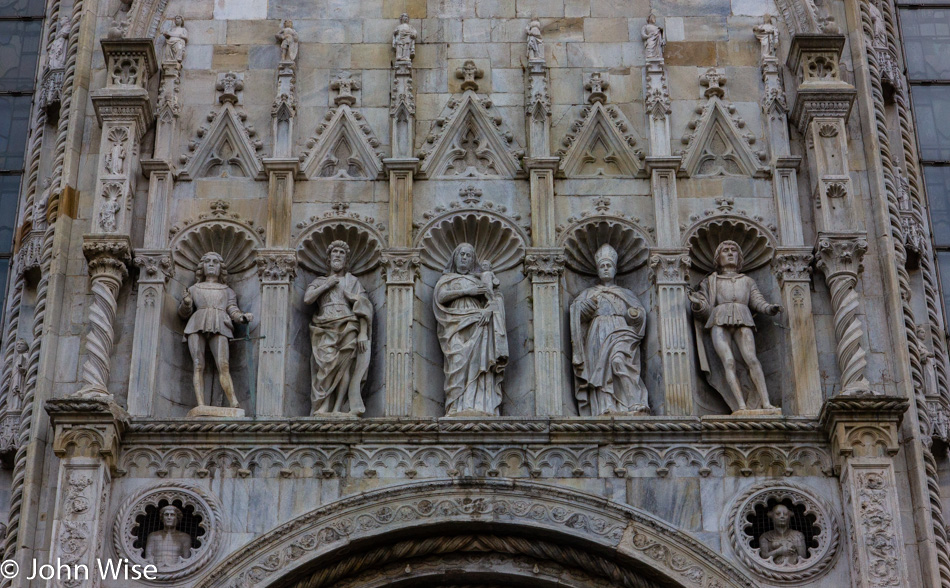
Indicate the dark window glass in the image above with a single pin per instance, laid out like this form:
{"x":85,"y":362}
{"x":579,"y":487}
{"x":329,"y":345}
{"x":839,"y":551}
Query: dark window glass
{"x":14,"y":128}
{"x":9,"y":193}
{"x":938,"y":192}
{"x":943,"y":261}
{"x":18,"y":54}
{"x":22,"y":8}
{"x":926,"y":33}
{"x":932,"y":110}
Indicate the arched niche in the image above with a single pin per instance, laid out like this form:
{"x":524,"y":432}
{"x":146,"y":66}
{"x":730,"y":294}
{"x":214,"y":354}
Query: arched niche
{"x":366,"y":240}
{"x":582,"y":238}
{"x":402,"y":525}
{"x":756,"y":241}
{"x":495,"y":235}
{"x":232,"y":238}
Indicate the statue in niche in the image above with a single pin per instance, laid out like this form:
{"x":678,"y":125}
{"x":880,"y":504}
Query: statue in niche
{"x":404,"y":39}
{"x":472,"y":334}
{"x":115,"y":159}
{"x":782,"y":544}
{"x":653,"y":40}
{"x":725,"y":301}
{"x":176,"y":38}
{"x":607,"y":324}
{"x":21,"y":361}
{"x":340,"y":335}
{"x":535,"y":42}
{"x":210,"y":306}
{"x":288,"y":39}
{"x":57,"y":50}
{"x":168,"y":546}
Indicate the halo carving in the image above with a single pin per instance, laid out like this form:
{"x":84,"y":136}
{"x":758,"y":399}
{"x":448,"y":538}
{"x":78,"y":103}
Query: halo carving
{"x":201,"y":504}
{"x":495,"y":238}
{"x":822,"y":538}
{"x":582,"y":240}
{"x":755,"y":240}
{"x":226,"y":234}
{"x":364,"y":239}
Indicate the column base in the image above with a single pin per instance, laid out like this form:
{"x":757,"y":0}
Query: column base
{"x":215,"y":412}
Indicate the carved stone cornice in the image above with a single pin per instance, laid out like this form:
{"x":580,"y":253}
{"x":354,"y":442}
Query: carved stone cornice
{"x":410,"y":164}
{"x":402,"y":266}
{"x":670,"y":266}
{"x":87,"y":427}
{"x":155,"y":265}
{"x":821,"y":92}
{"x":276,"y":266}
{"x":544,"y":263}
{"x":793,"y":264}
{"x":863,"y":427}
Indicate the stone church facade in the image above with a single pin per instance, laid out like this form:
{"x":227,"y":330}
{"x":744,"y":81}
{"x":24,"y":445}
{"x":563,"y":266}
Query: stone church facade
{"x":475,"y":293}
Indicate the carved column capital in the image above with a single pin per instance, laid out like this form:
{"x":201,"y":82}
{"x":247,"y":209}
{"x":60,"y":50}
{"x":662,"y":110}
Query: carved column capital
{"x":544,"y":263}
{"x":863,"y":427}
{"x":402,"y":265}
{"x":840,"y":254}
{"x":276,"y":265}
{"x":793,"y":265}
{"x":670,"y":266}
{"x":87,"y":427}
{"x":155,"y":265}
{"x":107,"y":257}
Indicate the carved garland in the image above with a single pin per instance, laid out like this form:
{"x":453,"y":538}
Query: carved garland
{"x":807,"y":569}
{"x":205,"y":505}
{"x":362,"y":233}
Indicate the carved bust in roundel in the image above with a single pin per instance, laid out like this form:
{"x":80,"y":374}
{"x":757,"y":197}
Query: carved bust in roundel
{"x":168,"y":546}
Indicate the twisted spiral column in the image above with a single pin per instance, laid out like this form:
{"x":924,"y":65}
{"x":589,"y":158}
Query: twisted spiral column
{"x":839,"y":259}
{"x":107,"y":270}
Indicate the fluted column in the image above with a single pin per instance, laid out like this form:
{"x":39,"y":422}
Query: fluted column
{"x":864,"y":439}
{"x":545,"y":266}
{"x":402,"y":268}
{"x":277,"y":269}
{"x":792,"y":266}
{"x":671,"y":278}
{"x":154,"y":270}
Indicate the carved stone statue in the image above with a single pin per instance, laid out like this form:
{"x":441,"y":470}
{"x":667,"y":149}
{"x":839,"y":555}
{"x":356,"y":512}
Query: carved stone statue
{"x":607,"y":324}
{"x":115,"y":159}
{"x":288,"y":39}
{"x":212,"y":307}
{"x":653,"y":40}
{"x":404,"y":39}
{"x":878,"y":26}
{"x":176,"y":38}
{"x":21,"y":361}
{"x":725,"y":302}
{"x":168,"y":547}
{"x":472,"y":334}
{"x":535,"y":42}
{"x":767,"y":34}
{"x":340,"y":334}
{"x":57,"y":50}
{"x":782,"y":544}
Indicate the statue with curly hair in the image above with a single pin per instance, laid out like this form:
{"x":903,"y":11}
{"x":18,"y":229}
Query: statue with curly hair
{"x":210,"y":306}
{"x":340,"y":334}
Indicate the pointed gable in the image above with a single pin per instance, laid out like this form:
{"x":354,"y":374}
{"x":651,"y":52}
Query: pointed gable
{"x":718,"y":148}
{"x":225,"y":149}
{"x":343,"y":148}
{"x":468,"y":142}
{"x":599,"y":147}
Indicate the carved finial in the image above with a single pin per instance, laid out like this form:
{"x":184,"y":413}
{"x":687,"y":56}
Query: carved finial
{"x":469,"y":73}
{"x":470,"y":195}
{"x":597,"y":84}
{"x":344,"y":83}
{"x":229,"y":84}
{"x":340,"y":207}
{"x":713,"y":80}
{"x":724,"y":204}
{"x":602,"y":204}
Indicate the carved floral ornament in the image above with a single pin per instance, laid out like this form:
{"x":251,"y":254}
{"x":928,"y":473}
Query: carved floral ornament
{"x":747,"y":524}
{"x":200,"y":518}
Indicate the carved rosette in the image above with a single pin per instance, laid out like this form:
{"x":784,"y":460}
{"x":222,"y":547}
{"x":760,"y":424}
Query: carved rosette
{"x":108,"y":259}
{"x":839,"y":257}
{"x":824,"y":539}
{"x":670,"y":267}
{"x":402,"y":266}
{"x":155,"y":265}
{"x":544,"y":264}
{"x":276,"y":266}
{"x":196,"y":499}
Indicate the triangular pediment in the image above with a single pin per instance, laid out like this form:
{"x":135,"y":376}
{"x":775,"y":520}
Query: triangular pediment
{"x":468,"y":142}
{"x":225,"y":149}
{"x":719,"y":148}
{"x":598,"y":148}
{"x":343,"y":148}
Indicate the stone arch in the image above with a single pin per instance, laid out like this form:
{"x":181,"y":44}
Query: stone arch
{"x":494,"y":234}
{"x":756,"y":241}
{"x":234,"y":238}
{"x":584,"y":237}
{"x":526,"y":520}
{"x":365,"y":239}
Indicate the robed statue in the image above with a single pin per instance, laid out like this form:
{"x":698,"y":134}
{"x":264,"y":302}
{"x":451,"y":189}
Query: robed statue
{"x":340,"y":335}
{"x":473,"y":335}
{"x":607,"y":325}
{"x":723,"y":307}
